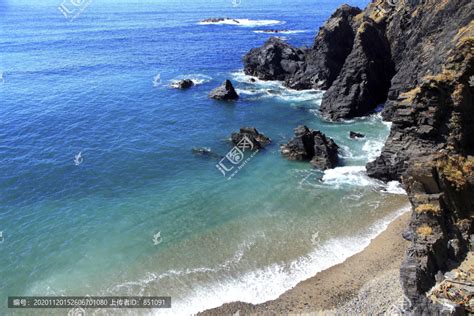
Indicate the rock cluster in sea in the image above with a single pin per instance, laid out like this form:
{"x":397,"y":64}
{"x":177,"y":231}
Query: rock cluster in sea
{"x":313,"y":146}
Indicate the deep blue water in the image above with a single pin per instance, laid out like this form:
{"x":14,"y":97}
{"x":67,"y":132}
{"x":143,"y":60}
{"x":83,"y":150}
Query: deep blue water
{"x":87,"y":85}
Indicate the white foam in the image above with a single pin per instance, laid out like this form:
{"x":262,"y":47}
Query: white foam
{"x":197,"y":79}
{"x":395,"y":187}
{"x":373,"y":148}
{"x":266,"y":284}
{"x":349,"y":175}
{"x":243,"y":22}
{"x":275,"y":89}
{"x":280,"y":32}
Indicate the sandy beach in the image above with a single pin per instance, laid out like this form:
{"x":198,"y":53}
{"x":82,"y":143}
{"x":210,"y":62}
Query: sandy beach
{"x":366,"y":282}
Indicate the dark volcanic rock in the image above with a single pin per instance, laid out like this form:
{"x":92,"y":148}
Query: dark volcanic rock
{"x":429,"y":112}
{"x":364,"y":80}
{"x":258,"y":140}
{"x":183,"y":84}
{"x":355,"y":135}
{"x":324,"y":61}
{"x":224,"y":92}
{"x":440,"y":188}
{"x":314,"y":68}
{"x":276,"y":60}
{"x":313,"y":146}
{"x":217,"y":20}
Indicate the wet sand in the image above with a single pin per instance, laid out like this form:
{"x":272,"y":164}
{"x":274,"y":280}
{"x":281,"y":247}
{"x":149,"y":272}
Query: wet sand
{"x":367,"y":281}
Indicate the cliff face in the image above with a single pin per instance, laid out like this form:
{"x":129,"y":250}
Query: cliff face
{"x":430,"y":101}
{"x":441,"y":190}
{"x":416,"y":57}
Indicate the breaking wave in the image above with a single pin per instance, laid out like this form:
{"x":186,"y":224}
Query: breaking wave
{"x":240,"y":22}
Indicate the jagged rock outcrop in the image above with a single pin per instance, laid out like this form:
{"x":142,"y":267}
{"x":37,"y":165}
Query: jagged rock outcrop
{"x":440,"y":188}
{"x":431,"y":105}
{"x":324,"y":61}
{"x":314,"y":68}
{"x":313,"y":146}
{"x":365,"y":78}
{"x":275,"y":60}
{"x":258,"y":140}
{"x":225,"y":91}
{"x":437,"y":114}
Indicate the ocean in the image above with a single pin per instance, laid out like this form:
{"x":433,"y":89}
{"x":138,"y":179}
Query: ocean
{"x":101,"y":193}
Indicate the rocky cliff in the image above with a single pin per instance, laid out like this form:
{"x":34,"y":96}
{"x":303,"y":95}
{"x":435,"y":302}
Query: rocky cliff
{"x":417,"y":58}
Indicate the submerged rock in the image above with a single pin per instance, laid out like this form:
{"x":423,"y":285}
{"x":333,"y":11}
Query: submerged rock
{"x":355,"y":135}
{"x":183,"y":84}
{"x":313,"y":146}
{"x":225,"y":91}
{"x":258,"y":140}
{"x":204,"y":151}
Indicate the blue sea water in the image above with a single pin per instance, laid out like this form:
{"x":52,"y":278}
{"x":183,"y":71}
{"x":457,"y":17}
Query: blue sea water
{"x":99,"y":85}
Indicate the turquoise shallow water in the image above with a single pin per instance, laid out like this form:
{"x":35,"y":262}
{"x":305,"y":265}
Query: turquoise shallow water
{"x":88,"y":86}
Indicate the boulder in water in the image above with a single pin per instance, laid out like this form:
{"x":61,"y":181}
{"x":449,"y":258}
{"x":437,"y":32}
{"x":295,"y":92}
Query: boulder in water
{"x":355,"y":135}
{"x":224,"y":92}
{"x":258,"y":140}
{"x":312,"y":146}
{"x":183,"y":84}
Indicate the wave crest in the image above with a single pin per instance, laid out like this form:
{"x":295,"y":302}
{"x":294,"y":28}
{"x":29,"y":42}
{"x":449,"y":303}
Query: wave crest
{"x":240,"y":22}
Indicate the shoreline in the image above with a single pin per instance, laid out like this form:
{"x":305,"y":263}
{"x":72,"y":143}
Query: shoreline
{"x":338,"y":286}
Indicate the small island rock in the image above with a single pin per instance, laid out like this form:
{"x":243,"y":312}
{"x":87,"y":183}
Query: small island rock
{"x":183,"y":84}
{"x":258,"y":140}
{"x":224,"y":92}
{"x":313,"y":146}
